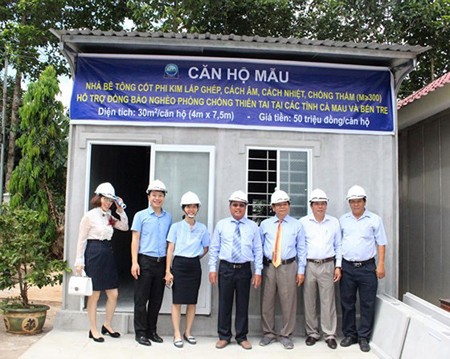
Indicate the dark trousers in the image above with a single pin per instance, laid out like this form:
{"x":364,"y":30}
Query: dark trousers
{"x":362,"y":281}
{"x":148,"y":295}
{"x":233,"y":283}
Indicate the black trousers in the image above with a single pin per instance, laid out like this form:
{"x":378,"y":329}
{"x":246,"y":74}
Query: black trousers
{"x":362,"y":281}
{"x":148,"y":294}
{"x":234,"y":283}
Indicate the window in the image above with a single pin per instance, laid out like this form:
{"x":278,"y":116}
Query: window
{"x":269,"y":169}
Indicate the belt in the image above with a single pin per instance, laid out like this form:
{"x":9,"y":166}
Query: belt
{"x":235,"y":265}
{"x":320,"y":261}
{"x":98,"y":240}
{"x":358,"y":264}
{"x":154,"y":259}
{"x":267,"y":261}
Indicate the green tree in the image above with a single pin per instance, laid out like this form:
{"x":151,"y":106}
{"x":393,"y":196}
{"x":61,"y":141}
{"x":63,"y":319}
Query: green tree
{"x":30,"y":47}
{"x":94,"y":14}
{"x":412,"y":22}
{"x":24,"y":25}
{"x":39,"y":179}
{"x":424,"y":23}
{"x":345,"y":20}
{"x":241,"y":17}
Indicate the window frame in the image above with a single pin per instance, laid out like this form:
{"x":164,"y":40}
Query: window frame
{"x":278,"y":151}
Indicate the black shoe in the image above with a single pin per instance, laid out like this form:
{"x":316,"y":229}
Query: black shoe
{"x":190,"y":339}
{"x":98,"y":340}
{"x":331,"y":343}
{"x":364,"y":345}
{"x":143,"y":340}
{"x":155,"y":338}
{"x":347,"y":341}
{"x":310,"y":340}
{"x":111,"y":334}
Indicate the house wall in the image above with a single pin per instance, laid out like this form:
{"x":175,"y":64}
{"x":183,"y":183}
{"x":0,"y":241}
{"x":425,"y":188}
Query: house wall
{"x":338,"y":162}
{"x":424,"y":172}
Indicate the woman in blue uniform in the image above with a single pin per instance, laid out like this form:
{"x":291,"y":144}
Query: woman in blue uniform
{"x":188,"y":242}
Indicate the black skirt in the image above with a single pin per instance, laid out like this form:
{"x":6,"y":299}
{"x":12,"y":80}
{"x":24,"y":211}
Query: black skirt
{"x":100,"y":265}
{"x":187,"y":274}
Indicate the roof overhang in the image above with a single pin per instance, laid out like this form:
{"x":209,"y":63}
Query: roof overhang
{"x":400,"y":59}
{"x":425,"y":107}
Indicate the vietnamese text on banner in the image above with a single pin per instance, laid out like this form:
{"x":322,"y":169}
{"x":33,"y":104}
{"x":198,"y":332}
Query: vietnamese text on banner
{"x":213,"y":92}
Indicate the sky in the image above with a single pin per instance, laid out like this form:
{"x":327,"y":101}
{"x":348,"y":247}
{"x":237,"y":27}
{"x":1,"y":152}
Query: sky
{"x":65,"y":85}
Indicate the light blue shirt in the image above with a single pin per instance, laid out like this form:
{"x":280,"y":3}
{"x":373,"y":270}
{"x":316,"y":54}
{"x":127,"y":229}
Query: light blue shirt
{"x":189,"y":242}
{"x":360,"y":237}
{"x":222,"y":243}
{"x":323,"y":239}
{"x":292,"y":242}
{"x":153,"y":231}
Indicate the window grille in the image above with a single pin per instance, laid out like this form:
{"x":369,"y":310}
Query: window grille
{"x":269,"y":169}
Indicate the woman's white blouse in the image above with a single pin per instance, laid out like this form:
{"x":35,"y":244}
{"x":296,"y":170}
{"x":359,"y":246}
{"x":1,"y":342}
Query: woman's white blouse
{"x":96,"y":224}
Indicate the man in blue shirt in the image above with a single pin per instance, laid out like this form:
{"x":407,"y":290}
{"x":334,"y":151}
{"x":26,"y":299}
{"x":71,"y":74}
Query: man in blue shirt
{"x":284,"y":267}
{"x":148,"y":263}
{"x":236,"y":243}
{"x":363,"y":238}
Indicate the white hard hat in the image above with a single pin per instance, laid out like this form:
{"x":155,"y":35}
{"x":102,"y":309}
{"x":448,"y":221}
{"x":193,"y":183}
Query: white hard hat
{"x":279,"y":196}
{"x":318,"y":195}
{"x":106,"y":190}
{"x":189,"y":198}
{"x":238,"y":196}
{"x":356,"y":192}
{"x":156,"y":185}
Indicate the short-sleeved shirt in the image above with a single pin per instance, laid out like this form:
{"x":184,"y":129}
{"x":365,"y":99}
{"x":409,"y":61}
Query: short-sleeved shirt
{"x":153,"y":231}
{"x":361,"y":236}
{"x":292,"y":242}
{"x":222,"y":243}
{"x":323,"y":239}
{"x":189,"y":242}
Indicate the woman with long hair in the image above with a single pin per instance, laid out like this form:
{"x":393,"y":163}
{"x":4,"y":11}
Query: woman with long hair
{"x":95,"y":255}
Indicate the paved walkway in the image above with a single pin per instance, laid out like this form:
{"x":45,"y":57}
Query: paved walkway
{"x":76,"y":344}
{"x":58,"y":344}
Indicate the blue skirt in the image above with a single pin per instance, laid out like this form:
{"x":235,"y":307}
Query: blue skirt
{"x":187,"y":274}
{"x":100,"y":265}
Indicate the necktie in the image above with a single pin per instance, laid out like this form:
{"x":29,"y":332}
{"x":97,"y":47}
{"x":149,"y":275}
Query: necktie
{"x":236,"y":250}
{"x":276,"y":255}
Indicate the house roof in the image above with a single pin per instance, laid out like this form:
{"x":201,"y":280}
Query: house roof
{"x":440,"y":82}
{"x":400,"y":59}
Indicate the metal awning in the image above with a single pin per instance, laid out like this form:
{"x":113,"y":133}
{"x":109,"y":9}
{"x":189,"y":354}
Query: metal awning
{"x":400,"y":59}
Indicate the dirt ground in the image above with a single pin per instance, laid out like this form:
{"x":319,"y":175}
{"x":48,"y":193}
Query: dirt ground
{"x":14,"y":345}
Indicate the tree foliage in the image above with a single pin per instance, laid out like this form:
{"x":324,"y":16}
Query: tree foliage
{"x":346,"y":20}
{"x":38,"y":181}
{"x":23,"y":35}
{"x":30,"y":47}
{"x":242,"y":17}
{"x":413,"y":22}
{"x":94,"y":14}
{"x":25,"y":259}
{"x":425,"y":23}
